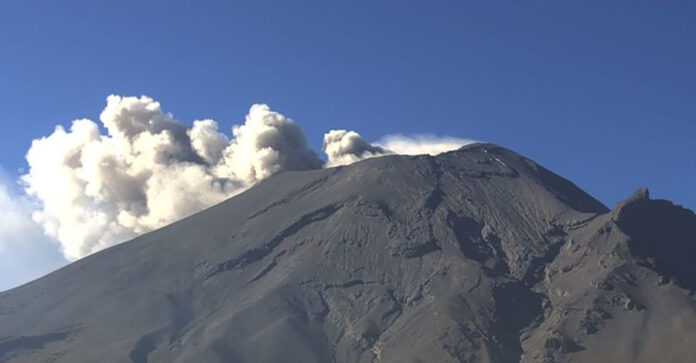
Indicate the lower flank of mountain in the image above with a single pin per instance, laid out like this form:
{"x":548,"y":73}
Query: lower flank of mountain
{"x":476,"y":255}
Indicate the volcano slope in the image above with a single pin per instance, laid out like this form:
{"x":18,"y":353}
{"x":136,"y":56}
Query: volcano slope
{"x":476,"y":255}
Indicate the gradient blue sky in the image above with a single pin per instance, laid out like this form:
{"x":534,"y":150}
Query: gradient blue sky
{"x":601,"y":92}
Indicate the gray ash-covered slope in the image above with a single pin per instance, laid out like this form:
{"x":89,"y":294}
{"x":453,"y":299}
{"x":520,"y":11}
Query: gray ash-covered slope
{"x":477,"y":255}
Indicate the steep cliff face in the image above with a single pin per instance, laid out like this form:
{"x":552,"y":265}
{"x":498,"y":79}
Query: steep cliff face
{"x":621,"y":288}
{"x":477,"y":255}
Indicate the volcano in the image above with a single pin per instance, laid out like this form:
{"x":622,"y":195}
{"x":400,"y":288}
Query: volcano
{"x":475,"y":255}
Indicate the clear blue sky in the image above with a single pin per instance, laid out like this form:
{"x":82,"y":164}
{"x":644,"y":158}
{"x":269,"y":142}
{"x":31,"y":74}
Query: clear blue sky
{"x":601,"y":92}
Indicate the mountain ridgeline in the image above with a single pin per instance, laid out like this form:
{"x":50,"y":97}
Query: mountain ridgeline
{"x":475,"y":255}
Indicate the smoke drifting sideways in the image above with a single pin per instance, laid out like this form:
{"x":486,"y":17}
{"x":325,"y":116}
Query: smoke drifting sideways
{"x":95,"y":190}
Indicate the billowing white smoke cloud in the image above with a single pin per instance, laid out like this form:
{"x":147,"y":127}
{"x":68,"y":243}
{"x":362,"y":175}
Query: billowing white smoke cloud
{"x":266,"y":144}
{"x":148,"y":170}
{"x":346,"y":147}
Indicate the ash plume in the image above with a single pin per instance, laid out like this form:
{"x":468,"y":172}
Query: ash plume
{"x":147,"y":170}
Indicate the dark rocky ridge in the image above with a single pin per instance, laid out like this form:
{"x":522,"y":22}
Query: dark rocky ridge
{"x":477,"y":255}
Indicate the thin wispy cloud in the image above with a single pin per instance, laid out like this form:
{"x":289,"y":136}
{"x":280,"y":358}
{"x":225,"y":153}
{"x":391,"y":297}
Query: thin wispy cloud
{"x":25,"y":251}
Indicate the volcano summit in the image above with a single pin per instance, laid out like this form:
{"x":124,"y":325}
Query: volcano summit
{"x":475,"y":255}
